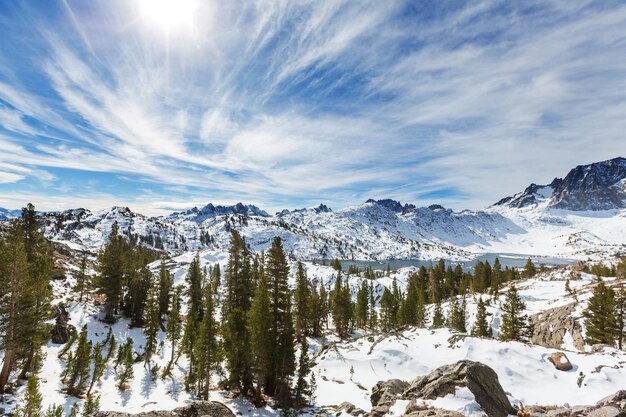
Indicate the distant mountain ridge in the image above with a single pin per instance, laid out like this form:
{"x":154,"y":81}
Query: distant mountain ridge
{"x":524,"y":223}
{"x":593,"y":187}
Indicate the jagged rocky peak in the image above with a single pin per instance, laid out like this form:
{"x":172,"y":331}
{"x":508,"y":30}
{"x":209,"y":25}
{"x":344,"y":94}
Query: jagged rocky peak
{"x":322,"y":208}
{"x":597,"y":186}
{"x":392,"y":205}
{"x":211,"y":210}
{"x":532,"y":195}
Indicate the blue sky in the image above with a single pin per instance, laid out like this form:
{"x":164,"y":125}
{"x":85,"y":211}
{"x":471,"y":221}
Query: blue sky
{"x":167,"y":104}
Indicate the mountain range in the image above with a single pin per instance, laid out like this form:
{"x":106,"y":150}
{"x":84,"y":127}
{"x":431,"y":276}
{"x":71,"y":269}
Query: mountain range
{"x":579,"y":216}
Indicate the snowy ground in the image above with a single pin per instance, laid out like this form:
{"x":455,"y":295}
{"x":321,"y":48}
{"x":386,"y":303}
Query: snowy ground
{"x":523,"y":369}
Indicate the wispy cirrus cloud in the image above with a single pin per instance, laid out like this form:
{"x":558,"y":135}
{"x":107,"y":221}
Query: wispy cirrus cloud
{"x":292,"y":103}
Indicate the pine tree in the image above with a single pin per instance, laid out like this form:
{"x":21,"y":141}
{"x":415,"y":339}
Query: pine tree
{"x":13,"y":304}
{"x":529,"y":269}
{"x":112,"y":348}
{"x":282,"y":360}
{"x":152,"y":323}
{"x":372,"y":301}
{"x":303,"y":387}
{"x":514,"y":322}
{"x":126,"y":361}
{"x":78,"y":375}
{"x":387,"y":316}
{"x":173,"y":328}
{"x":481,"y":326}
{"x":55,"y":411}
{"x":38,"y":291}
{"x":238,"y":287}
{"x":139,"y":283}
{"x":207,"y":347}
{"x":165,"y":290}
{"x":301,"y":303}
{"x":111,"y":271}
{"x":316,"y":311}
{"x":600,"y":318}
{"x":260,"y":335}
{"x":74,"y":410}
{"x":341,"y":306}
{"x":457,"y":316}
{"x":91,"y":406}
{"x":438,"y":319}
{"x":99,"y":365}
{"x":83,"y":280}
{"x":32,"y":399}
{"x":362,"y":305}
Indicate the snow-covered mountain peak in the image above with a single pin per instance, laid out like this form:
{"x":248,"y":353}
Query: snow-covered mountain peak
{"x":594,"y":187}
{"x":198,"y":215}
{"x":392,"y":205}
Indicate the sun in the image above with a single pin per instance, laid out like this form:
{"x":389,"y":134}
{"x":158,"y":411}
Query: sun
{"x":168,"y":14}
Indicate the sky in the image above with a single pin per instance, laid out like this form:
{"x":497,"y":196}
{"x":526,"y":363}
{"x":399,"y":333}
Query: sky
{"x":162,"y":105}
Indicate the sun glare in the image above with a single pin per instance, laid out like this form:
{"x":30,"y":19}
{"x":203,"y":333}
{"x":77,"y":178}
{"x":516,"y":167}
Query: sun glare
{"x":168,"y":14}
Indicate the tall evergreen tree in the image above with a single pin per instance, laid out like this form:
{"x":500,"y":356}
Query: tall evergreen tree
{"x":83,"y":280}
{"x":600,"y":316}
{"x":438,"y":319}
{"x":303,"y":388}
{"x":126,"y":360}
{"x":208,"y":352}
{"x":238,"y":298}
{"x":39,"y":254}
{"x":529,"y":269}
{"x":32,"y":399}
{"x":481,"y":326}
{"x":78,"y":375}
{"x":152,"y":323}
{"x":173,"y":328}
{"x":362,"y":305}
{"x":282,"y":360}
{"x":514,"y":322}
{"x":301,"y":305}
{"x":457,"y":316}
{"x":139,"y":283}
{"x":259,"y":328}
{"x":111,"y":270}
{"x":13,"y":304}
{"x":165,"y":290}
{"x":99,"y":366}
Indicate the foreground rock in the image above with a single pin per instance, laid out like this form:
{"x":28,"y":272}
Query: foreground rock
{"x":480,"y":379}
{"x":560,"y":361}
{"x":196,"y":409}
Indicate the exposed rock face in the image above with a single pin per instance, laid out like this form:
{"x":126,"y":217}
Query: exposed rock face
{"x":62,"y":330}
{"x":551,"y":326}
{"x":386,"y":392}
{"x":481,"y":380}
{"x":560,"y":361}
{"x":196,"y":409}
{"x":598,"y":186}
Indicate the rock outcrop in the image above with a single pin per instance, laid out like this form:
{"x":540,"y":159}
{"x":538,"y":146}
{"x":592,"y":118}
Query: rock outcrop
{"x":196,"y":409}
{"x":551,"y":326}
{"x":62,"y":330}
{"x":386,"y":392}
{"x":480,"y":379}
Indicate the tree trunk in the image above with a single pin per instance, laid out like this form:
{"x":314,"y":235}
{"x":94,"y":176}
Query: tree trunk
{"x":7,"y":365}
